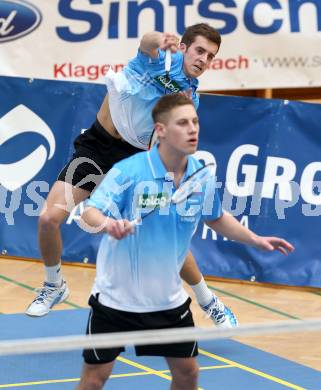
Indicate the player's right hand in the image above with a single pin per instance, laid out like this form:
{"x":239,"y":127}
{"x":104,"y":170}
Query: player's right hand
{"x":119,"y":229}
{"x":169,"y":41}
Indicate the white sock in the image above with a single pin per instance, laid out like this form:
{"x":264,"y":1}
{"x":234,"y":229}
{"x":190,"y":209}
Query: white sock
{"x":203,"y":294}
{"x":54,"y":275}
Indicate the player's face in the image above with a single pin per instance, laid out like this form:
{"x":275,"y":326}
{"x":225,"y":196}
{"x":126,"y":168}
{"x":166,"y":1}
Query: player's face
{"x":198,"y":56}
{"x":182,"y":129}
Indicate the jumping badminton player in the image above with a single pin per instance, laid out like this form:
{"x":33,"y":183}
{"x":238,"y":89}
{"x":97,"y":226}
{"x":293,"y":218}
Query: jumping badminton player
{"x":138,"y":284}
{"x":124,"y":127}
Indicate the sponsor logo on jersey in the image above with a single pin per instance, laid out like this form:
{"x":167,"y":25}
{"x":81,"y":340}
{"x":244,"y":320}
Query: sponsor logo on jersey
{"x":153,"y":200}
{"x":168,"y":84}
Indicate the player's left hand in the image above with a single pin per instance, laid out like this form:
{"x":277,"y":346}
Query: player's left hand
{"x":274,"y":243}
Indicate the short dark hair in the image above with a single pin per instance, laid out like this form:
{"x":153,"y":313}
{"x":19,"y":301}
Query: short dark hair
{"x":167,"y":103}
{"x":204,"y":30}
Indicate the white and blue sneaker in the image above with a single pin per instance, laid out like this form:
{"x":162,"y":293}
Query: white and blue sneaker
{"x":47,"y":296}
{"x":222,"y":316}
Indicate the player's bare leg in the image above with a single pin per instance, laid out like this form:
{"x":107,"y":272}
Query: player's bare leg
{"x":184,"y":373}
{"x":94,"y":376}
{"x":60,"y":202}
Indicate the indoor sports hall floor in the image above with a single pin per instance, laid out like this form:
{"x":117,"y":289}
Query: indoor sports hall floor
{"x":291,"y":360}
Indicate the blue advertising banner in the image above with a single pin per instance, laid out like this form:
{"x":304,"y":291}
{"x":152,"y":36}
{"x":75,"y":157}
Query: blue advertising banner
{"x":268,"y":155}
{"x":39,"y":119}
{"x":268,"y":167}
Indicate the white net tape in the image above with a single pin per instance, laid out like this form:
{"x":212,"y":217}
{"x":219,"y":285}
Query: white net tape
{"x":109,"y":340}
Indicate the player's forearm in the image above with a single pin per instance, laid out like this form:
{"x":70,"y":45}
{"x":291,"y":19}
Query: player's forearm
{"x":93,"y":220}
{"x":229,"y":227}
{"x":151,"y":42}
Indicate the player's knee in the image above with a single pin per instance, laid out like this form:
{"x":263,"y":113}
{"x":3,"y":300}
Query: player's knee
{"x":94,"y":383}
{"x":90,"y":384}
{"x":50,"y":220}
{"x":192,"y":374}
{"x":93,"y":379}
{"x":187,"y":377}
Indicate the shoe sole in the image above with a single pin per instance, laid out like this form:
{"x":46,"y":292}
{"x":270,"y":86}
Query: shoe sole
{"x":62,"y":299}
{"x":37,"y":315}
{"x":227,"y":325}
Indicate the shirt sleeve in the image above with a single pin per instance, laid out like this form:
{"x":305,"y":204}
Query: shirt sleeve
{"x":145,"y":58}
{"x":195,"y":98}
{"x":156,"y":65}
{"x":110,"y":197}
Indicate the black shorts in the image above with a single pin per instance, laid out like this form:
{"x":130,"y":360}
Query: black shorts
{"x":96,"y":151}
{"x":104,"y":319}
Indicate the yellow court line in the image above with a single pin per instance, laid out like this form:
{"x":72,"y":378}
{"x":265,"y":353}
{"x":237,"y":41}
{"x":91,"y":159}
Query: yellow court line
{"x":113,"y":376}
{"x":251,"y":370}
{"x":52,"y":381}
{"x":216,"y":367}
{"x":145,"y":368}
{"x":48,"y":382}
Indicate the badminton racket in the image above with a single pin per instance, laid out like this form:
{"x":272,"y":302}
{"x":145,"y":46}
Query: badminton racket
{"x":168,"y":62}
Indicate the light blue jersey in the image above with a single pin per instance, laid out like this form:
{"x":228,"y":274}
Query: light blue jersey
{"x":134,"y":92}
{"x":140,"y":273}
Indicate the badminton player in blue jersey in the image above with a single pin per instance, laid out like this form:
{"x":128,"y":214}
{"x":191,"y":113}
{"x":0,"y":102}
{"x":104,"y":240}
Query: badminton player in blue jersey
{"x":123,"y":127}
{"x":138,"y":284}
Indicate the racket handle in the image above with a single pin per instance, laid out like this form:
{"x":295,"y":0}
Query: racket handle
{"x":168,"y":60}
{"x":135,"y":222}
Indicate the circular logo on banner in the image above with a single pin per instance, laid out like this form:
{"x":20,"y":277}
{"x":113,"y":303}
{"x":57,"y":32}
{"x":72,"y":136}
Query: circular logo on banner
{"x":17,"y":19}
{"x":18,"y":121}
